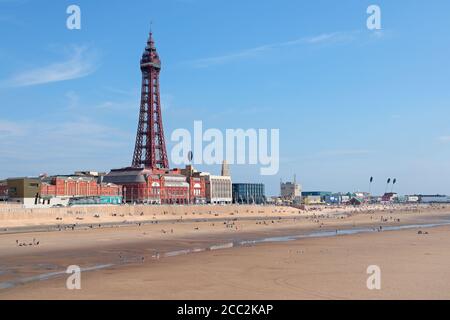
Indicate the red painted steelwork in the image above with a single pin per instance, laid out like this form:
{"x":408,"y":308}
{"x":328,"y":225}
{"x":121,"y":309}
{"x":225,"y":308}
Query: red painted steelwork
{"x":150,"y":149}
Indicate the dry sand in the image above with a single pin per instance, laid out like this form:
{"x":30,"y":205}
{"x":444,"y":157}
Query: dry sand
{"x":413,"y":266}
{"x":14,"y":216}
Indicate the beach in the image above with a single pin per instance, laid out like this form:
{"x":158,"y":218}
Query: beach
{"x":322,"y":253}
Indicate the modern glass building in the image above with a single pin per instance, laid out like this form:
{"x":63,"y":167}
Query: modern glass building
{"x":249,"y":193}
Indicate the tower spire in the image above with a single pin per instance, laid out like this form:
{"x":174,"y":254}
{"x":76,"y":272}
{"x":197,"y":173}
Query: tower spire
{"x":225,"y":169}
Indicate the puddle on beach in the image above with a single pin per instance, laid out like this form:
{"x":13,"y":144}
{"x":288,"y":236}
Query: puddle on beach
{"x":224,"y":246}
{"x":46,"y":276}
{"x":328,"y":233}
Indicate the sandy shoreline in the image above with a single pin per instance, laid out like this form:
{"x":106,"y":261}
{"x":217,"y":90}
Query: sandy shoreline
{"x":26,"y":219}
{"x":272,"y":270}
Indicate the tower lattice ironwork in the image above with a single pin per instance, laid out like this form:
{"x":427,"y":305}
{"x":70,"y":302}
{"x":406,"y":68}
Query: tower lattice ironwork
{"x":150,"y":150}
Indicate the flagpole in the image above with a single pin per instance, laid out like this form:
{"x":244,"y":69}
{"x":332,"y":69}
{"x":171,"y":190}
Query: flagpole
{"x":393,"y":183}
{"x":387,"y":185}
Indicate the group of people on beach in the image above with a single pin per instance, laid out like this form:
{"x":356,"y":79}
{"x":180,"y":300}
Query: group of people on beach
{"x":28,"y":244}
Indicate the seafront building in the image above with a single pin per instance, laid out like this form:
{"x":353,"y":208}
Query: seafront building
{"x":62,"y":190}
{"x":24,"y":190}
{"x":218,"y":189}
{"x":412,"y":198}
{"x":338,"y":198}
{"x":389,"y":197}
{"x":197,"y":184}
{"x":315,"y":197}
{"x":171,"y":186}
{"x":437,"y":198}
{"x":291,"y":191}
{"x":249,"y":193}
{"x":145,"y":186}
{"x":3,"y":190}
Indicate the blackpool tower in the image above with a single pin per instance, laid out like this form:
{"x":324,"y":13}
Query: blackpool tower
{"x":150,"y":150}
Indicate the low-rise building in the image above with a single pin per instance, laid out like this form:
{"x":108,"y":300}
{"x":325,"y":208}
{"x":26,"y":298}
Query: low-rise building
{"x":249,"y":193}
{"x":138,"y":185}
{"x":438,"y":198}
{"x":209,"y":188}
{"x":61,"y":190}
{"x":78,"y":189}
{"x":412,"y":198}
{"x":175,"y":189}
{"x":3,"y":190}
{"x":335,"y":198}
{"x":345,"y":198}
{"x":197,"y":185}
{"x":362,"y":196}
{"x":389,"y":197}
{"x":197,"y":189}
{"x":218,"y":189}
{"x":25,"y":191}
{"x":315,"y":197}
{"x":157,"y":186}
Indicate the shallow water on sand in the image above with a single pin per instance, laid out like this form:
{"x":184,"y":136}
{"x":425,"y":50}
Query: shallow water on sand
{"x":46,"y":276}
{"x":223,"y":246}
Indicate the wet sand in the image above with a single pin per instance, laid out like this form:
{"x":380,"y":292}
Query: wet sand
{"x":149,"y":261}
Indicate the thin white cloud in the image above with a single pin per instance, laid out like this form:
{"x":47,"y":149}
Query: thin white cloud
{"x":332,"y":37}
{"x":252,"y":52}
{"x":11,"y":129}
{"x":444,"y":139}
{"x":119,"y":105}
{"x":58,"y":146}
{"x":131,"y":92}
{"x":80,"y":63}
{"x":330,"y":154}
{"x":345,"y":153}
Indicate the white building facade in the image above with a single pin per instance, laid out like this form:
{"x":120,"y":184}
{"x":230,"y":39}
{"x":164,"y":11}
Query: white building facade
{"x":219,"y":189}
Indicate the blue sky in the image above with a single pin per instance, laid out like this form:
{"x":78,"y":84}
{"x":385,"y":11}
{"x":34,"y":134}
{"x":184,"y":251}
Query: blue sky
{"x":350,"y":103}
